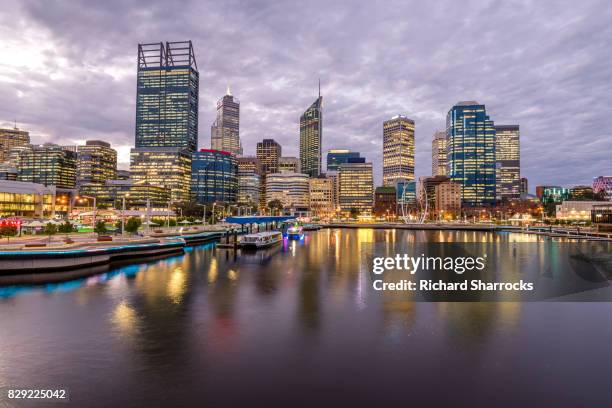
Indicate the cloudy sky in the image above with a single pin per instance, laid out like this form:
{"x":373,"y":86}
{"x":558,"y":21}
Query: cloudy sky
{"x":68,"y":71}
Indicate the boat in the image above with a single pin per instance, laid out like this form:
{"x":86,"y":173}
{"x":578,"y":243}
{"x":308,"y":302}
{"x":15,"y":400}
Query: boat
{"x":312,"y":227}
{"x":295,"y":232}
{"x":261,"y":239}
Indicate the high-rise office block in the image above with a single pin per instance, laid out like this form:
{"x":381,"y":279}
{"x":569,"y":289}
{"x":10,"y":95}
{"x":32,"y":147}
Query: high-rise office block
{"x":438,"y":154}
{"x":524,"y":186}
{"x":214,"y":176}
{"x":291,"y":189}
{"x":225,"y":131}
{"x":398,"y":150}
{"x":48,"y":164}
{"x":335,"y":157}
{"x":471,"y":153}
{"x":385,"y":201}
{"x":168,"y":167}
{"x":249,"y":181}
{"x":356,"y":187}
{"x":167,"y":96}
{"x":311,"y":133}
{"x":268,"y":152}
{"x":322,"y":196}
{"x":10,"y":138}
{"x":96,"y":162}
{"x":288,"y":165}
{"x":508,"y":162}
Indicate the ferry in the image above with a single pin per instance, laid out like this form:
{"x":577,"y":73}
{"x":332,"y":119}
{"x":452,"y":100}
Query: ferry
{"x":295,"y":232}
{"x":312,"y":227}
{"x":261,"y":239}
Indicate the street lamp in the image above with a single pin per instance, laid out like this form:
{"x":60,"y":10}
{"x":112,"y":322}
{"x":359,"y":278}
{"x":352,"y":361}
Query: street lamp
{"x":213,"y":213}
{"x":123,"y":214}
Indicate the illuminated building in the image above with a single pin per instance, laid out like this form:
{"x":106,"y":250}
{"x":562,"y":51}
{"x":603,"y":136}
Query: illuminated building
{"x":581,"y":193}
{"x":123,"y":174}
{"x":111,"y":194}
{"x":405,"y":192}
{"x":96,"y":162}
{"x":398,"y":150}
{"x":23,"y":199}
{"x":8,"y":172}
{"x":225,"y":131}
{"x":602,"y":185}
{"x":288,"y":165}
{"x":448,"y":198}
{"x":48,"y":164}
{"x":438,"y":154}
{"x":470,"y":138}
{"x":575,"y":210}
{"x":508,"y":162}
{"x":291,"y":189}
{"x":385,"y":201}
{"x":554,"y":194}
{"x":335,"y":157}
{"x":249,"y":181}
{"x":427,"y":188}
{"x":168,"y":167}
{"x":311,"y":134}
{"x":268,"y":152}
{"x":601,"y":216}
{"x":524,"y":186}
{"x":214,"y":176}
{"x":10,"y":138}
{"x":322,"y":195}
{"x":356,"y":194}
{"x":167,"y":96}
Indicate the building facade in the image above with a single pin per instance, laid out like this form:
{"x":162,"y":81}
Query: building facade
{"x":311,"y":134}
{"x":269,"y":152}
{"x":322,"y":195}
{"x":385,"y":202}
{"x":508,"y":162}
{"x":438,"y":154}
{"x":288,"y":165}
{"x":214,"y":176}
{"x":576,"y":210}
{"x":448,"y":199}
{"x":470,"y":137}
{"x":602,"y":185}
{"x":356,"y":196}
{"x":49,"y":164}
{"x":225,"y":131}
{"x":335,"y":157}
{"x":291,"y":189}
{"x":10,"y":138}
{"x":96,"y":162}
{"x":249,"y":181}
{"x":398,"y":150}
{"x":113,"y":192}
{"x":524,"y":187}
{"x":24,"y":199}
{"x":168,"y":167}
{"x":427,"y":191}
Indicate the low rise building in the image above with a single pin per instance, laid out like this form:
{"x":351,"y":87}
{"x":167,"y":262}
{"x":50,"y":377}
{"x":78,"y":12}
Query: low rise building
{"x":575,"y":210}
{"x":448,"y":199}
{"x":385,"y":202}
{"x":291,"y":189}
{"x":322,"y":195}
{"x":24,"y":199}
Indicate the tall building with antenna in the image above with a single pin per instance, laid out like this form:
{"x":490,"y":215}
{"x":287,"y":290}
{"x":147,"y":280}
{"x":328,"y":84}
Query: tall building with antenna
{"x":225,"y":130}
{"x":311,"y":133}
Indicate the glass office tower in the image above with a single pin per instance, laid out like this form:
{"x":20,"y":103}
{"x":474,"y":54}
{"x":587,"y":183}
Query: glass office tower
{"x":398,"y":150}
{"x":10,"y":138}
{"x":335,"y":157}
{"x":96,"y":162}
{"x":168,"y":167}
{"x":356,"y":187}
{"x":508,"y":162}
{"x":48,"y":164}
{"x":225,"y":131}
{"x":438,"y":154}
{"x":470,"y":138}
{"x":311,"y":132}
{"x":167,"y":96}
{"x":214,"y":176}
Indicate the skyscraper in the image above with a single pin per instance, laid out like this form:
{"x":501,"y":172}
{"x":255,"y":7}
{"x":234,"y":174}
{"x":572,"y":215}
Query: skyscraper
{"x":96,"y":162}
{"x":291,"y":189}
{"x":311,"y":133}
{"x":356,"y":187}
{"x":335,"y":157}
{"x":268,"y":153}
{"x":508,"y":162}
{"x":10,"y":138}
{"x":438,"y":154}
{"x":471,"y":152}
{"x":214,"y":176}
{"x":225,"y":131}
{"x":249,"y":181}
{"x":167,"y":96}
{"x":48,"y":164}
{"x":168,"y":167}
{"x":398,"y":150}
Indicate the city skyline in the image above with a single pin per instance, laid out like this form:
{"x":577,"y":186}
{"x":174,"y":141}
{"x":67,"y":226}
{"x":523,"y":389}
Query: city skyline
{"x":359,"y":87}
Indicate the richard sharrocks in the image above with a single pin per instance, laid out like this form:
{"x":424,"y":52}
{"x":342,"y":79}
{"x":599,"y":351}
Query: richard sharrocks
{"x":430,"y":285}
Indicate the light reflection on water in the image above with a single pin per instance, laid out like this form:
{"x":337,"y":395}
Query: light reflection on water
{"x":290,"y":322}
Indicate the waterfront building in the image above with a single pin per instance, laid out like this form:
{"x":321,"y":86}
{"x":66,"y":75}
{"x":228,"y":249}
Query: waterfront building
{"x":112,"y":192}
{"x":602,"y":186}
{"x":268,"y":152}
{"x":8,"y":172}
{"x":427,"y":190}
{"x":335,"y":157}
{"x":356,"y":194}
{"x":448,"y":199}
{"x":581,"y":193}
{"x":322,"y":196}
{"x":311,"y":134}
{"x":249,"y":180}
{"x":49,"y":164}
{"x":601,"y":216}
{"x":167,"y":96}
{"x":524,"y":187}
{"x":406,"y":191}
{"x":470,"y":136}
{"x":438,"y":154}
{"x":288,"y":165}
{"x":398,"y":150}
{"x":291,"y":189}
{"x":225,"y":131}
{"x":96,"y":162}
{"x":571,"y":210}
{"x":214,"y":176}
{"x":508,"y":162}
{"x":554,"y":194}
{"x":10,"y":138}
{"x":168,"y":167}
{"x":385,"y":202}
{"x":25,"y":199}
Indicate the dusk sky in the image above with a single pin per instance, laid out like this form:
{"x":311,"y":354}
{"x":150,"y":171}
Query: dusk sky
{"x":68,"y":71}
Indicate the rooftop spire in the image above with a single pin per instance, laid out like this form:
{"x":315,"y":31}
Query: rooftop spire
{"x":319,"y":87}
{"x":228,"y":92}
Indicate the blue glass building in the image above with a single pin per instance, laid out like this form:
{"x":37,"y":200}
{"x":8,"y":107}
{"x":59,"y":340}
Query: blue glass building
{"x":336,"y":157}
{"x":214,"y":176}
{"x":405,"y":192}
{"x":470,"y":141}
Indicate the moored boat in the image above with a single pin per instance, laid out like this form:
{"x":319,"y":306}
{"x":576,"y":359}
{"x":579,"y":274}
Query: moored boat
{"x":295,"y":232}
{"x":261,"y":239}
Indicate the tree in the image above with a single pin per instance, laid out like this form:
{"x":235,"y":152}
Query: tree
{"x":354,"y":212}
{"x":66,"y":228}
{"x":8,"y":231}
{"x":50,"y":229}
{"x":275,"y":205}
{"x":132,"y":225}
{"x":100,"y":227}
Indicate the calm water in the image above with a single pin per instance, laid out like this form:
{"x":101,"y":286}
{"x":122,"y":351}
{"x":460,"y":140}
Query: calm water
{"x":298,"y":324}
